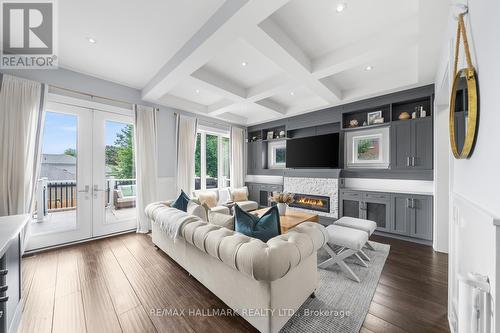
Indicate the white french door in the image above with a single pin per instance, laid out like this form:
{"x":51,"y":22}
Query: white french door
{"x":114,"y":191}
{"x":87,"y":185}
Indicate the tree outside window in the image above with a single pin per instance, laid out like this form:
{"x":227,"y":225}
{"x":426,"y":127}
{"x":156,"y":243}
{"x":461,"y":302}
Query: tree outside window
{"x":212,"y":160}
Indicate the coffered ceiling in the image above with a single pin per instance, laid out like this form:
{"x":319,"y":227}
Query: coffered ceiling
{"x":250,"y":61}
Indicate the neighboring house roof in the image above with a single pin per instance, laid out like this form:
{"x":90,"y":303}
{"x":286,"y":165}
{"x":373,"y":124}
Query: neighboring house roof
{"x":58,"y":167}
{"x":58,"y":159}
{"x":52,"y":172}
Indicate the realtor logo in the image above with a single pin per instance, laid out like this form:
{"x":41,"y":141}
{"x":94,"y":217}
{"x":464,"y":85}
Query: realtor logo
{"x":28,"y":34}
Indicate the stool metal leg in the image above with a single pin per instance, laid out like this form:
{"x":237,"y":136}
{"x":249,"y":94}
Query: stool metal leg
{"x":369,"y":246}
{"x":339,"y":259}
{"x":364,"y":255}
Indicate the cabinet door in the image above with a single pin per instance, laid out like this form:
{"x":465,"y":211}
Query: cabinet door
{"x":421,"y":222}
{"x":253,"y":192}
{"x":258,"y":156}
{"x":401,"y":144}
{"x":378,"y":211}
{"x":402,"y":214}
{"x":422,"y":143}
{"x":13,"y":279}
{"x":251,"y":157}
{"x":351,"y":208}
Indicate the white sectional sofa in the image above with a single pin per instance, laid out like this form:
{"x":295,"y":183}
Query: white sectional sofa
{"x":224,"y":195}
{"x":262,"y":281}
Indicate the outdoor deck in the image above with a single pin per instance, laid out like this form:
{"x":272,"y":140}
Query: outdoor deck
{"x":64,"y":220}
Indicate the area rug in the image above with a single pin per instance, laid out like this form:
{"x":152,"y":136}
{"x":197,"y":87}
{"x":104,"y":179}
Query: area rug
{"x":341,"y":304}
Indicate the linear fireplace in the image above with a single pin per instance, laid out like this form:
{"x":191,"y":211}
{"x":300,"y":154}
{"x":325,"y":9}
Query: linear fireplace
{"x":314,"y":202}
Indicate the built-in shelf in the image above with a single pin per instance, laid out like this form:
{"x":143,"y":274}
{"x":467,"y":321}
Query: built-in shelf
{"x":361,"y":116}
{"x":365,"y":127}
{"x":277,"y":139}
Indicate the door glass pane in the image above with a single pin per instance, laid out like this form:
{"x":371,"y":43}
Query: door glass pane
{"x":120,"y":189}
{"x":211,"y":161}
{"x":56,"y":200}
{"x":225,"y":162}
{"x":197,"y":163}
{"x":376,"y":212}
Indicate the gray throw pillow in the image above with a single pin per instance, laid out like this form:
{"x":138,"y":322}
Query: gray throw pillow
{"x":223,"y":220}
{"x":197,"y":210}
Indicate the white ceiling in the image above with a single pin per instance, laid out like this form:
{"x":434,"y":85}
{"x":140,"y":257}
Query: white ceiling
{"x":300,"y":55}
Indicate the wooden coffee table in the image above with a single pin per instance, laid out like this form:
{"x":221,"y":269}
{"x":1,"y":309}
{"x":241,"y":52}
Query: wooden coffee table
{"x":292,"y":218}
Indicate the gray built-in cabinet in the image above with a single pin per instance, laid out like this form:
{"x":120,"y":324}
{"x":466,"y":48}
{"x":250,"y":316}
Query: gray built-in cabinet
{"x":261,"y":192}
{"x":407,"y":215}
{"x":411,"y":144}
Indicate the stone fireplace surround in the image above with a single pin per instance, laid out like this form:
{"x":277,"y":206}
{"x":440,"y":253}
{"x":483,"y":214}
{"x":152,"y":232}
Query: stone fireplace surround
{"x":315,"y":186}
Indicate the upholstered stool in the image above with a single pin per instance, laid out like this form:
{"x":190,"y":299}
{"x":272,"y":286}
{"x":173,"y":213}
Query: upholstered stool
{"x":360,"y":224}
{"x":350,"y":241}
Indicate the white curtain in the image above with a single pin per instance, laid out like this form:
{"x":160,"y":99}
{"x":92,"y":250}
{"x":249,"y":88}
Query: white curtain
{"x":186,"y":146}
{"x":21,"y":124}
{"x":237,"y":160}
{"x":146,"y":162}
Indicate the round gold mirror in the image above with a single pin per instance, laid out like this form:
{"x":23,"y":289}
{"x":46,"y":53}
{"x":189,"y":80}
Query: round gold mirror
{"x":463,"y":102}
{"x":463,"y":113}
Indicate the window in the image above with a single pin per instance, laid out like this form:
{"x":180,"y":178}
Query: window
{"x":212,"y":159}
{"x":276,"y":154}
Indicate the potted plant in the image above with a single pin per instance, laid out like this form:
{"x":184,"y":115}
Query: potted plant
{"x":282,"y":199}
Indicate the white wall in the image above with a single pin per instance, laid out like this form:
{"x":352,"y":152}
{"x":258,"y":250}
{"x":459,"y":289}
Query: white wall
{"x":476,"y":181}
{"x":478,"y":178}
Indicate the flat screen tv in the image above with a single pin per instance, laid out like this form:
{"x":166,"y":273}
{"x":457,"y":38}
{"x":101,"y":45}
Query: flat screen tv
{"x":313,"y":152}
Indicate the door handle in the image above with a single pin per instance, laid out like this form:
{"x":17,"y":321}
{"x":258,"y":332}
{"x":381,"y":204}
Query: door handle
{"x":97,"y":189}
{"x":86,"y":190}
{"x":413,"y":161}
{"x":408,"y":161}
{"x":408,"y":203}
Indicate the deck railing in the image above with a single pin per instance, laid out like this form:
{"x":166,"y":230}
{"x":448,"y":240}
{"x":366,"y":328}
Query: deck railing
{"x":59,"y":195}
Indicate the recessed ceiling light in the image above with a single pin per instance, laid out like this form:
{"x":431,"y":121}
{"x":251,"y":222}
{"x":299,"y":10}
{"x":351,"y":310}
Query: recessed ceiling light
{"x":244,"y":63}
{"x":197,"y":91}
{"x":368,"y":68}
{"x":91,"y":40}
{"x":341,"y":7}
{"x":292,"y":93}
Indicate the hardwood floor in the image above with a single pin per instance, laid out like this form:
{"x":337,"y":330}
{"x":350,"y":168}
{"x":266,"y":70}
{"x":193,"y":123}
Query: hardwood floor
{"x":122,"y":284}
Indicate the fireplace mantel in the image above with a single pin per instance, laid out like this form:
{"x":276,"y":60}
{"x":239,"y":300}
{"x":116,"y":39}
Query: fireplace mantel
{"x":315,"y":186}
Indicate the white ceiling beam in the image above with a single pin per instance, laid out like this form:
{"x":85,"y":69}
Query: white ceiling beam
{"x":387,"y":41}
{"x":274,"y":43}
{"x":218,"y":107}
{"x":230,"y":21}
{"x":234,"y":118}
{"x":187,"y":105}
{"x":395,"y":80}
{"x":277,"y":108}
{"x":269,"y":88}
{"x":182,"y":104}
{"x":219,"y":84}
{"x":230,"y":91}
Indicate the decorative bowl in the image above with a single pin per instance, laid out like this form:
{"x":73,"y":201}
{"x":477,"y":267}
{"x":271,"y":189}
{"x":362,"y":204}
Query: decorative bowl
{"x":404,"y":116}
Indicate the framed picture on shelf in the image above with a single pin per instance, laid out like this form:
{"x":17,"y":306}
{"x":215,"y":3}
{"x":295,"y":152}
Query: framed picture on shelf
{"x":367,"y":148}
{"x":270,"y":135}
{"x":374,"y":115}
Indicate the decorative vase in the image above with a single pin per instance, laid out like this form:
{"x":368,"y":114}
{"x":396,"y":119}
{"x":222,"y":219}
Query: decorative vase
{"x":282,"y":208}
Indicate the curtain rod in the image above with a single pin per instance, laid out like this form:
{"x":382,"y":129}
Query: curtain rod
{"x":91,"y":95}
{"x":96,"y":96}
